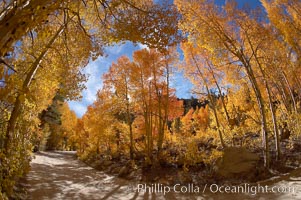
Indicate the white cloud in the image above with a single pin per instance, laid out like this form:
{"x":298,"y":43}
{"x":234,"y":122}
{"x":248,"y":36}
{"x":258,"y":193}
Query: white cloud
{"x":182,"y":85}
{"x":142,"y":46}
{"x":94,"y":70}
{"x":116,"y":49}
{"x":78,"y":108}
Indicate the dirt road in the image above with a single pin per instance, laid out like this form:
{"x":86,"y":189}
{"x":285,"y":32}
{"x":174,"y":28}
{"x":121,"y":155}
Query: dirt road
{"x":61,"y":176}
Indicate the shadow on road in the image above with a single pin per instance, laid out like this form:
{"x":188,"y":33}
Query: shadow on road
{"x":60,"y":175}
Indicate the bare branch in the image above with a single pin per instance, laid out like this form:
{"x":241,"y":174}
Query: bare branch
{"x":7,"y":65}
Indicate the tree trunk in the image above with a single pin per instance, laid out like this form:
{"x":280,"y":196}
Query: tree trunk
{"x":275,"y":125}
{"x":283,"y":97}
{"x":165,"y":117}
{"x":220,"y":93}
{"x":264,"y":129}
{"x":20,"y":97}
{"x":211,"y":101}
{"x":216,"y":120}
{"x":274,"y":119}
{"x":129,"y":121}
{"x":161,"y":125}
{"x":290,"y":91}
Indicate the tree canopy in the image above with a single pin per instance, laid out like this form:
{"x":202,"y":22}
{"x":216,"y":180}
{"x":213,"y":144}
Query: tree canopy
{"x":244,"y":65}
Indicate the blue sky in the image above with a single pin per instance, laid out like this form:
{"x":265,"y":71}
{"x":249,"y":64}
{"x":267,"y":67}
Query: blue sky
{"x":251,"y":3}
{"x":96,"y":68}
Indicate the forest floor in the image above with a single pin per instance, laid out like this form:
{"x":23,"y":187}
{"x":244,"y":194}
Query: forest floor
{"x":236,"y":166}
{"x":60,"y":175}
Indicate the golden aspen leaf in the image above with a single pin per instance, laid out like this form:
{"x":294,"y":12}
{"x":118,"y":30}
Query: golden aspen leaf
{"x":22,"y":97}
